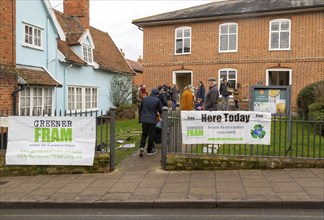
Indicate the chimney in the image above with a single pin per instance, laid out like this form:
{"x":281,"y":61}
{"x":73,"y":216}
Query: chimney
{"x":140,"y":60}
{"x":78,"y":8}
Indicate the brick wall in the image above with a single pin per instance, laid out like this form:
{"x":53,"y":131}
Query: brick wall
{"x":8,"y":84}
{"x":305,"y":58}
{"x":7,"y":32}
{"x":8,"y":81}
{"x":138,"y":79}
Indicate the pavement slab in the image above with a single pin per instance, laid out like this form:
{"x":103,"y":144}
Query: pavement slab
{"x":140,"y":182}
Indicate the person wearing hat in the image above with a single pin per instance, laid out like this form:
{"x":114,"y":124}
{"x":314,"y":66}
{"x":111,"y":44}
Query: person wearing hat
{"x":211,"y":100}
{"x":150,"y":107}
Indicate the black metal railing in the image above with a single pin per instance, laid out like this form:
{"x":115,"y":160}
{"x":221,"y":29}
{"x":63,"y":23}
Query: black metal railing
{"x":105,"y":127}
{"x":298,"y":137}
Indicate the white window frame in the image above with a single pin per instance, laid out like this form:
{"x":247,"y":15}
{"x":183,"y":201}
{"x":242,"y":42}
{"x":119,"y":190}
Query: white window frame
{"x":278,"y":70}
{"x":183,"y":28}
{"x":43,"y":105}
{"x":174,"y":76}
{"x":81,"y":100}
{"x":227,"y":73}
{"x":228,"y":34}
{"x":32,"y":44}
{"x":87,"y":53}
{"x":279,"y":31}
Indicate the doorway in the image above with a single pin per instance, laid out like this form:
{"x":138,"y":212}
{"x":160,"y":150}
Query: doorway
{"x":182,"y":79}
{"x":278,"y":77}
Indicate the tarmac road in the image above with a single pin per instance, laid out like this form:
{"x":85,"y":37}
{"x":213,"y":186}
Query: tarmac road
{"x":161,"y":214}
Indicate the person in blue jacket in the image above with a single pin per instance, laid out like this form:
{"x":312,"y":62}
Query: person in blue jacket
{"x":151,"y":106}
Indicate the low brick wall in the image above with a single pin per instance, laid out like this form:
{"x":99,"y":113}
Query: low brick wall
{"x":100,"y":165}
{"x":198,"y":162}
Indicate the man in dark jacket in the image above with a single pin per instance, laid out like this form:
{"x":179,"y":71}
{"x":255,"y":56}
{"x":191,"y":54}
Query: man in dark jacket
{"x":150,"y":108}
{"x":211,"y":101}
{"x":163,"y":96}
{"x":225,"y":94}
{"x":174,"y":96}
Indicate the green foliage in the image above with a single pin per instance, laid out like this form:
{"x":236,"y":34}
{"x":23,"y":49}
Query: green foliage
{"x":121,"y":92}
{"x":317,"y":115}
{"x":126,"y":112}
{"x":309,"y":95}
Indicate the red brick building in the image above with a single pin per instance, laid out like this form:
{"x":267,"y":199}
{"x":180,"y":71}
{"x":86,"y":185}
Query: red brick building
{"x":277,"y":42}
{"x":138,"y":79}
{"x":8,"y":74}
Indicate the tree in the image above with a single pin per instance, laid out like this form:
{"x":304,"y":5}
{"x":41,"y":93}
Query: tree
{"x":121,"y":90}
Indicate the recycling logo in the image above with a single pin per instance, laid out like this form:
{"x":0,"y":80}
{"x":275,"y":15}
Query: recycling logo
{"x":258,"y":132}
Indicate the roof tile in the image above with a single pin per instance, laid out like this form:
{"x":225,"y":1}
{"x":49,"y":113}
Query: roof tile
{"x":36,"y":76}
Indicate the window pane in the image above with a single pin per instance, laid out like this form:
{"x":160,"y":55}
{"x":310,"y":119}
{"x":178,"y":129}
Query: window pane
{"x":224,"y":29}
{"x":232,"y":42}
{"x":223,"y":75}
{"x":223,"y":42}
{"x":88,"y":98}
{"x":274,"y":40}
{"x":187,"y":33}
{"x":232,"y":29}
{"x":284,"y":25}
{"x":231,"y":83}
{"x":179,"y":33}
{"x":186,"y":45}
{"x":231,"y":75}
{"x":94,"y":98}
{"x":179,"y":46}
{"x":274,"y":26}
{"x":284,"y":40}
{"x":90,"y":55}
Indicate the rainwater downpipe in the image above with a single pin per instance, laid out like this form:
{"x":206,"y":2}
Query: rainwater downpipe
{"x":47,"y":34}
{"x":65,"y":85}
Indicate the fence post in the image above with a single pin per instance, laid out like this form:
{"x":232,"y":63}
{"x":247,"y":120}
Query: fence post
{"x":164,"y":135}
{"x":112,"y":137}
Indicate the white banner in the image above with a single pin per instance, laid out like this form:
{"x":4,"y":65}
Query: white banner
{"x":225,"y":127}
{"x":51,"y":141}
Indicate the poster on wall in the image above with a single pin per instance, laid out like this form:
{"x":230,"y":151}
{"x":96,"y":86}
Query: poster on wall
{"x":224,"y":127}
{"x":270,"y":99}
{"x":51,"y":141}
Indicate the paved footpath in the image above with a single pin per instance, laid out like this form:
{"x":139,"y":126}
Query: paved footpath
{"x":140,"y":182}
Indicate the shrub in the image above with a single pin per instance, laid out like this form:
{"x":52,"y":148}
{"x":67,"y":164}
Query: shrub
{"x":121,"y":90}
{"x":317,"y":114}
{"x":126,"y":112}
{"x":309,"y":95}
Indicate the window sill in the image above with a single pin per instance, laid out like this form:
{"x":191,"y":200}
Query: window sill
{"x":228,"y":51}
{"x":33,"y":47}
{"x":279,"y":50}
{"x":179,"y":54}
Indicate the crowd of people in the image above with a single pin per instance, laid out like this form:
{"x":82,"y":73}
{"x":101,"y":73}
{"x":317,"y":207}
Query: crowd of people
{"x":150,"y":106}
{"x":197,"y":98}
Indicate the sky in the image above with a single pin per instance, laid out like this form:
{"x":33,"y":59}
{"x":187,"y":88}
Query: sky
{"x":115,"y":18}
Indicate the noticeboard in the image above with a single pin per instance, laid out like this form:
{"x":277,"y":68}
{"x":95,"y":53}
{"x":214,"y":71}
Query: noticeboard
{"x":272,"y":99}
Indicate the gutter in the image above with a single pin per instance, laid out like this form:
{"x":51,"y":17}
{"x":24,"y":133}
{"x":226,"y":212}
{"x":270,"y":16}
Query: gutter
{"x":142,"y":24}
